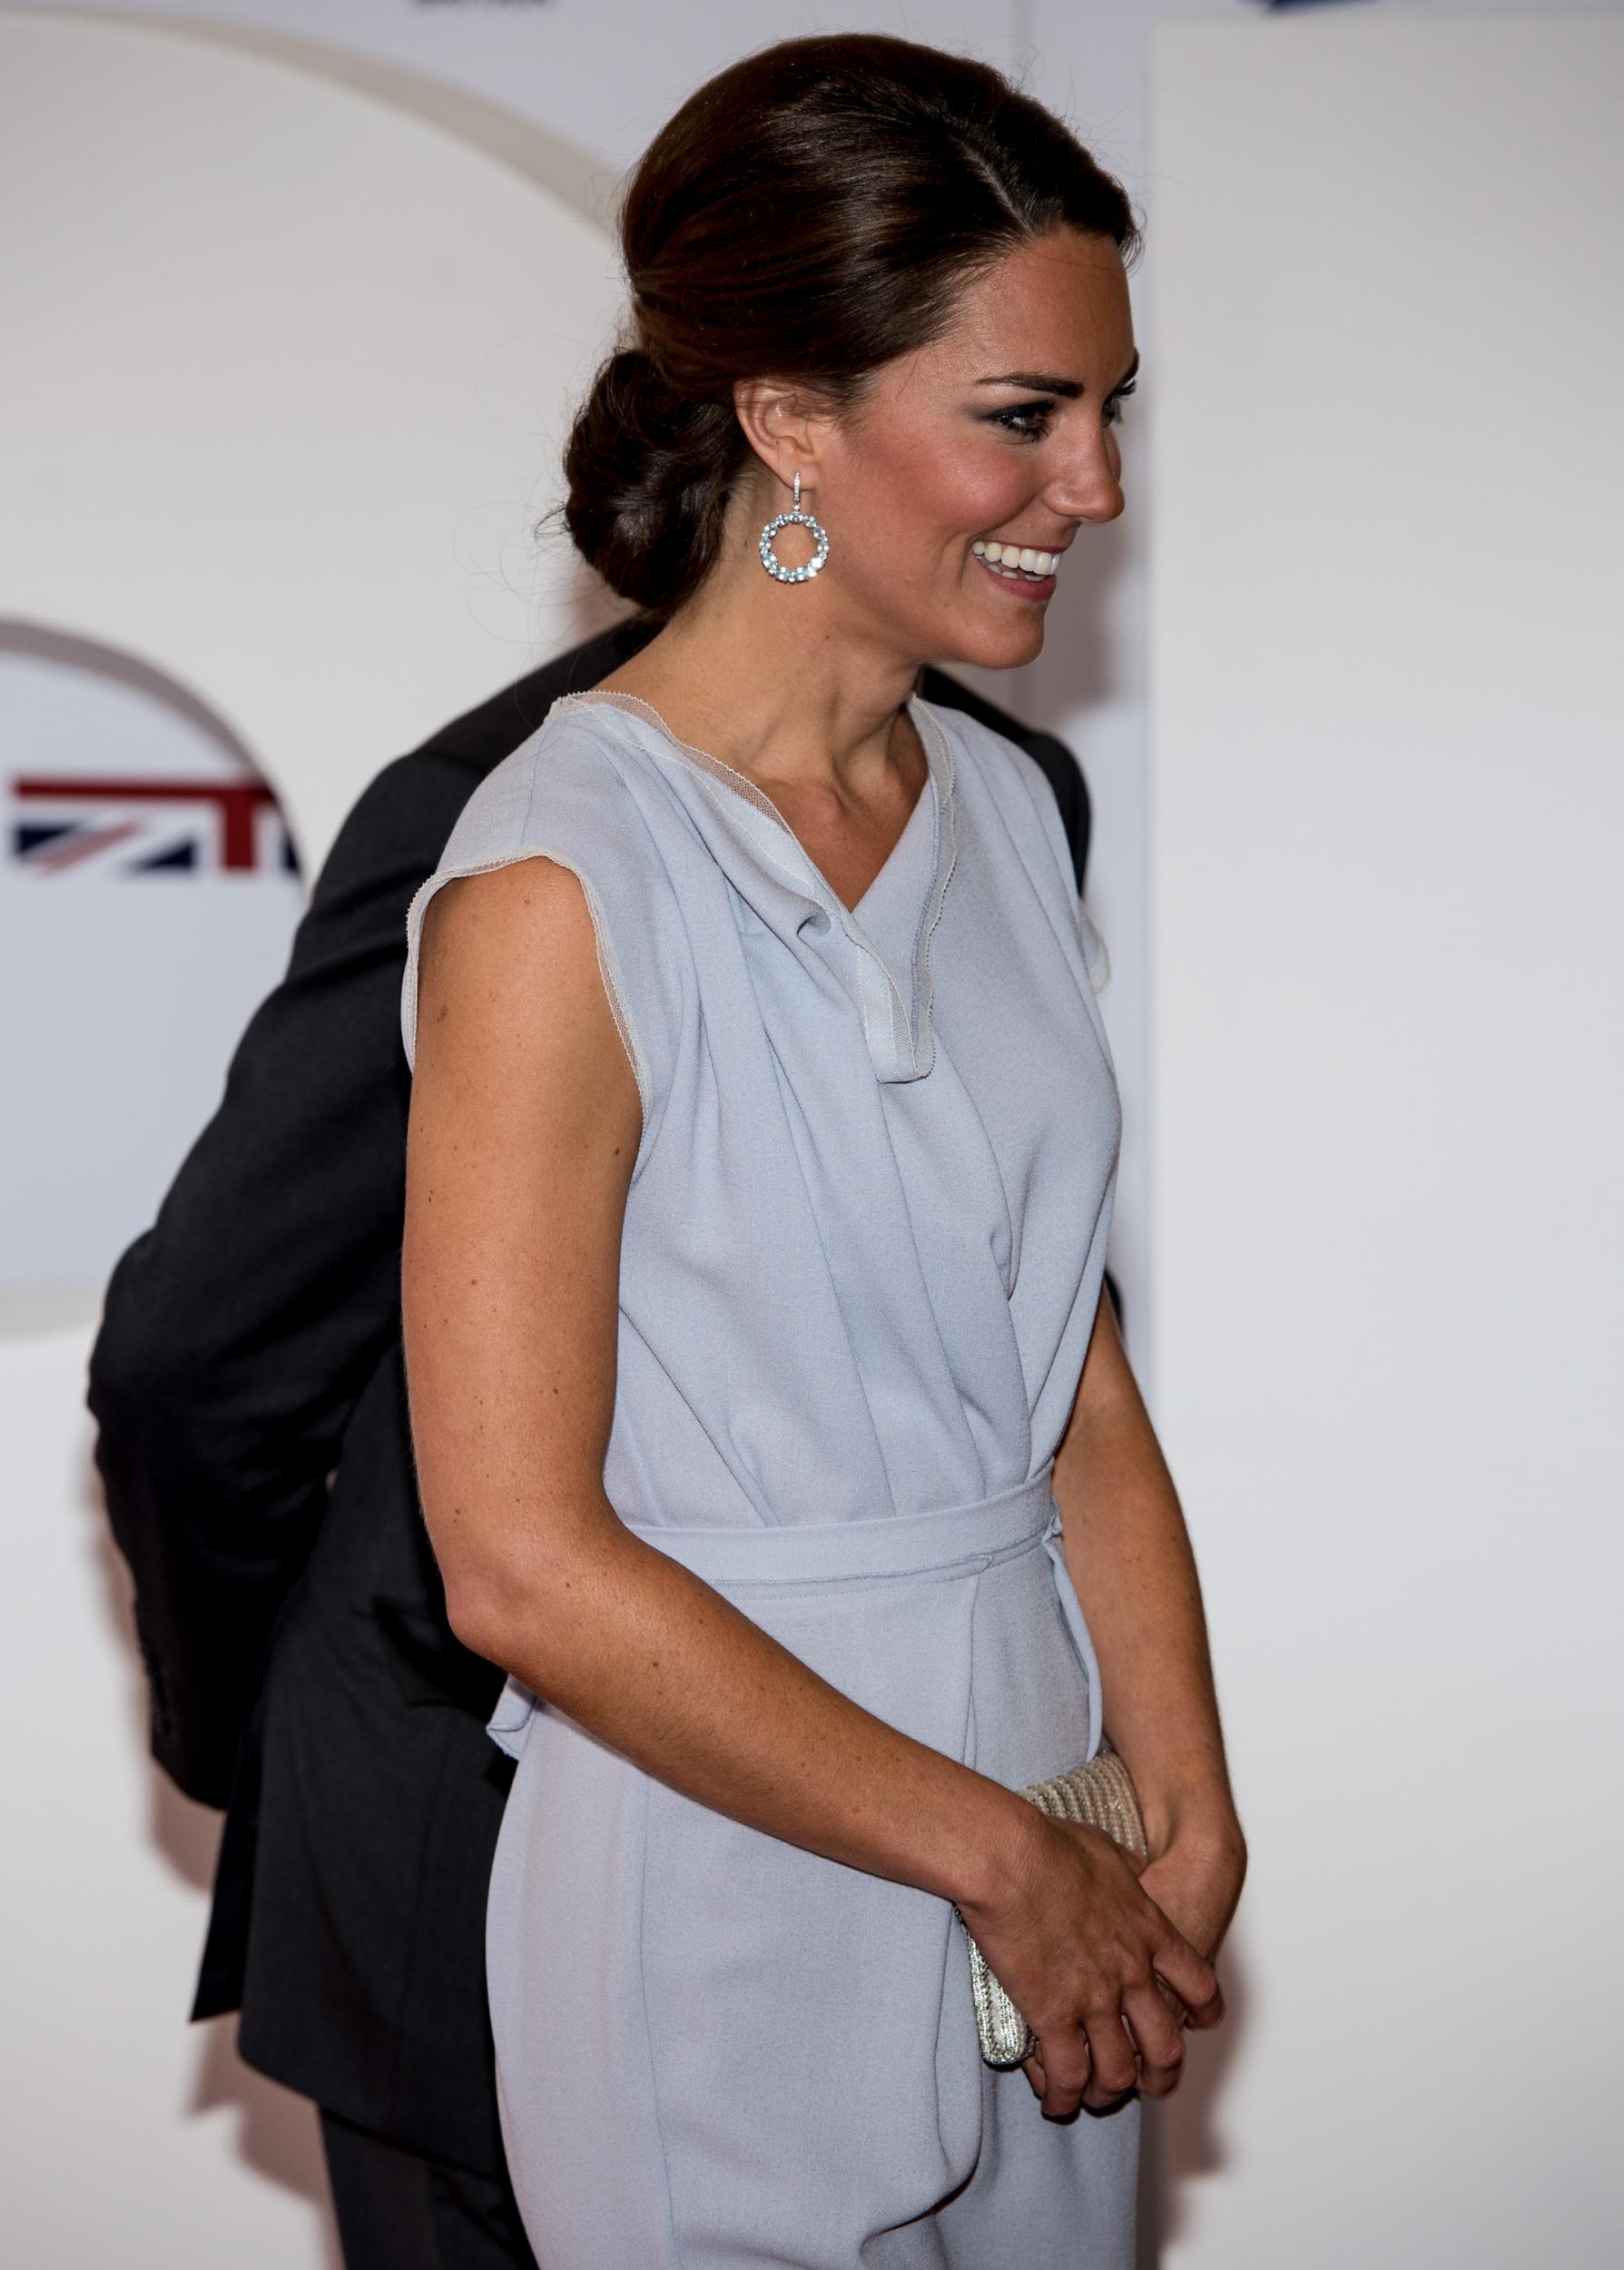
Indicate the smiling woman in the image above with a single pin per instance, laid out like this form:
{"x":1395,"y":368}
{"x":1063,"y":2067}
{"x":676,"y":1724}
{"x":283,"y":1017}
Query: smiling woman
{"x":771,"y":1429}
{"x":817,"y":212}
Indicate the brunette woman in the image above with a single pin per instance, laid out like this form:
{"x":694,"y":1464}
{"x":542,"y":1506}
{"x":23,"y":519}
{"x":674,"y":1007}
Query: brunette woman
{"x":771,"y":1429}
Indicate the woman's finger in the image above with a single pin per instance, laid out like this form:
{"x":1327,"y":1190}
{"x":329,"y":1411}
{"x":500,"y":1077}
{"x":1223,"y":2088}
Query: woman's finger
{"x":1190,"y":1976}
{"x":1066,"y":2071}
{"x":1114,"y":2060}
{"x":1157,"y":2036}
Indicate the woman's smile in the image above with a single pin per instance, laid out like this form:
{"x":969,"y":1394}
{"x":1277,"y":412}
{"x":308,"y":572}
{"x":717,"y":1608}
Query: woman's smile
{"x":1022,"y":571}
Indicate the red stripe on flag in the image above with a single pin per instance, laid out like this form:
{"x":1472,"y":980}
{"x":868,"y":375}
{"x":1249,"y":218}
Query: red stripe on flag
{"x":236,"y":801}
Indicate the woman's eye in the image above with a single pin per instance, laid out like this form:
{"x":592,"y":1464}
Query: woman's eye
{"x":1036,"y":411}
{"x":1114,"y":406}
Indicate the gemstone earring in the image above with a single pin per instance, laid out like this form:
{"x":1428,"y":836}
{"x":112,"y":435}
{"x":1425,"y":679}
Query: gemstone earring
{"x":770,"y":559}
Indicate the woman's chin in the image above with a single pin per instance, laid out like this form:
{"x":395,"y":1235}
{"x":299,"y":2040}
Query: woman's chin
{"x":999,"y":645}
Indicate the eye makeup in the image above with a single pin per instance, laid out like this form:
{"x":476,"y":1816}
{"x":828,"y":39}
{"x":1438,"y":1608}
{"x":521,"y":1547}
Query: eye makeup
{"x":1040,"y":411}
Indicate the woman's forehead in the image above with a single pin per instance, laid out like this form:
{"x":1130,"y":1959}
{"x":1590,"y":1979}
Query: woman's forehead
{"x":1052,"y":314}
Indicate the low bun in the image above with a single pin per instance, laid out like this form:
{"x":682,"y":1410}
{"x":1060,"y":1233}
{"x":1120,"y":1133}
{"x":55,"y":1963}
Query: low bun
{"x":649,"y":470}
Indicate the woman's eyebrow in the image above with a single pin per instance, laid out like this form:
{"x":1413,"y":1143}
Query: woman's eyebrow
{"x":1067,"y":388}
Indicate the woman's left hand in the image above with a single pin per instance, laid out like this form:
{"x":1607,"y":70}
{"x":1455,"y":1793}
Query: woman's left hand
{"x":1196,"y":1883}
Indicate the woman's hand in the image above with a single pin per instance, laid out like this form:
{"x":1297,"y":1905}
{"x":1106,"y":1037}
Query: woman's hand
{"x":1196,"y":1883}
{"x":1085,"y":1954}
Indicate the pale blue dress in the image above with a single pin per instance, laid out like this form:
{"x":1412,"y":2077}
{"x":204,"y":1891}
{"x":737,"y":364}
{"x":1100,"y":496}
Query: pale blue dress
{"x":863,"y":1252}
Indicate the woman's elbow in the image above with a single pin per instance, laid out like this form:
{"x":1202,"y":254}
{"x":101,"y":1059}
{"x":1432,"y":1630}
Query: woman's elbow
{"x":504,"y":1601}
{"x":485,"y":1606}
{"x":527,"y":1578}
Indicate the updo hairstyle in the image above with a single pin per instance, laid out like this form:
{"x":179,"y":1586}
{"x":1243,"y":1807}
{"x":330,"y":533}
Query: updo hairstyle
{"x":809,"y":214}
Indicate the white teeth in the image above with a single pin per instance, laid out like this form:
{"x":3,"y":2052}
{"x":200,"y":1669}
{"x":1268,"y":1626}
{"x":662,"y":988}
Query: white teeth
{"x":1016,"y":555}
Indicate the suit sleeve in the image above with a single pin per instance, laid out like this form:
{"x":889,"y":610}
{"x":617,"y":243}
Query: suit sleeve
{"x":1065,"y":777}
{"x":239,"y":1330}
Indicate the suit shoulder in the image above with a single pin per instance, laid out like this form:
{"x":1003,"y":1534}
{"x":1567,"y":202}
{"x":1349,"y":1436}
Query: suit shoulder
{"x":483,"y":736}
{"x":399,"y":822}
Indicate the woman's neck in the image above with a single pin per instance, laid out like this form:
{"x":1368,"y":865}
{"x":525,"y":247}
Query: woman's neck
{"x":748,"y":678}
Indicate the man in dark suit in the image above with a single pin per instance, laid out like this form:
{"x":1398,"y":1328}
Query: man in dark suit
{"x":253,"y":1441}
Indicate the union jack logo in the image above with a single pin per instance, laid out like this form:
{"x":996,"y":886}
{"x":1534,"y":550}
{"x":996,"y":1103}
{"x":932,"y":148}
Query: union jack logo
{"x":147,"y":826}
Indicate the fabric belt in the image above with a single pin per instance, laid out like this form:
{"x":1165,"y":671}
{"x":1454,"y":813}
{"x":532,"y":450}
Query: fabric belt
{"x":899,"y":1545}
{"x":959,"y":1537}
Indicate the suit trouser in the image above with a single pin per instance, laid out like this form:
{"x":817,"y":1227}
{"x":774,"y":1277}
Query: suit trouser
{"x":398,"y":2210}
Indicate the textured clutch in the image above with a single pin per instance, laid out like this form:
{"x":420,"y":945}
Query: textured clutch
{"x":1101,"y":1796}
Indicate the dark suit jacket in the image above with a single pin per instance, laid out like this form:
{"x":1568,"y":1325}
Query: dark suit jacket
{"x":253,"y":1442}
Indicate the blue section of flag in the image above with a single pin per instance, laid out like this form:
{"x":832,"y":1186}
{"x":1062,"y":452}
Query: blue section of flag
{"x":32,"y":835}
{"x":178,"y":855}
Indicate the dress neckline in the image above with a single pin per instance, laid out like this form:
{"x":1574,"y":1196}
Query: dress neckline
{"x":745,"y":786}
{"x":900,"y":1038}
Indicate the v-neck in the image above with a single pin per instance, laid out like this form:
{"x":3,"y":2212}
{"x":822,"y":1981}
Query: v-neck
{"x":898,"y":1028}
{"x":759,"y":796}
{"x":898,"y":855}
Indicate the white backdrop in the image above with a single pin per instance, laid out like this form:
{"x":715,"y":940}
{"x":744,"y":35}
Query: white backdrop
{"x":1388,"y":1253}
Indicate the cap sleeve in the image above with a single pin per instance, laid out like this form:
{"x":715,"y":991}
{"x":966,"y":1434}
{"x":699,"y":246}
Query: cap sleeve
{"x":561,"y":797}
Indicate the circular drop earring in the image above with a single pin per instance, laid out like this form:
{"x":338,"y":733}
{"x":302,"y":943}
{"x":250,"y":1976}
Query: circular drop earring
{"x":797,"y":519}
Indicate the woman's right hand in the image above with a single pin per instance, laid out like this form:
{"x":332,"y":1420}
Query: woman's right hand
{"x":1079,"y":1948}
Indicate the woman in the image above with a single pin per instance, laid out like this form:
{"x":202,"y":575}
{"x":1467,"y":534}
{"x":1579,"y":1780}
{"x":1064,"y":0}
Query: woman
{"x":762,"y":1149}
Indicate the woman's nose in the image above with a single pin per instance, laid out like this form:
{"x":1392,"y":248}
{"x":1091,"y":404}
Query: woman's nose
{"x":1089,"y":486}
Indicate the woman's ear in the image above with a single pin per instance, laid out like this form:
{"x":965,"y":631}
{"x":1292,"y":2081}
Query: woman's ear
{"x":780,"y":421}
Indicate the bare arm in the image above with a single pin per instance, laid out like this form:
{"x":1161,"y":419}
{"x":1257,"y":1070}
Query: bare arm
{"x":1129,"y":1556}
{"x":524,"y":1128}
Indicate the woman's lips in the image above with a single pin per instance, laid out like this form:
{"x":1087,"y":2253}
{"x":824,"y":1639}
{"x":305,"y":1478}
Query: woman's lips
{"x":1017,"y":587}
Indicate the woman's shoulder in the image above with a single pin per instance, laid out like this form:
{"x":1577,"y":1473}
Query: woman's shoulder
{"x":576,"y":771}
{"x":1010,"y":777}
{"x":1022,"y":793}
{"x":1010,"y":772}
{"x":578,"y":793}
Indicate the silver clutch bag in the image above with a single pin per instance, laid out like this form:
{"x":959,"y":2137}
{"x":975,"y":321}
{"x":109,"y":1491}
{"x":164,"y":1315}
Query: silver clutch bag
{"x":1101,"y":1796}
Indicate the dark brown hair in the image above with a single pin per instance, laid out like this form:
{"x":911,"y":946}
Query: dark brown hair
{"x":808,"y":214}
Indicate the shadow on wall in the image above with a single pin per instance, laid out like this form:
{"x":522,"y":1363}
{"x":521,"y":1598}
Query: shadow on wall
{"x":275,"y":2131}
{"x":1182,"y":2141}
